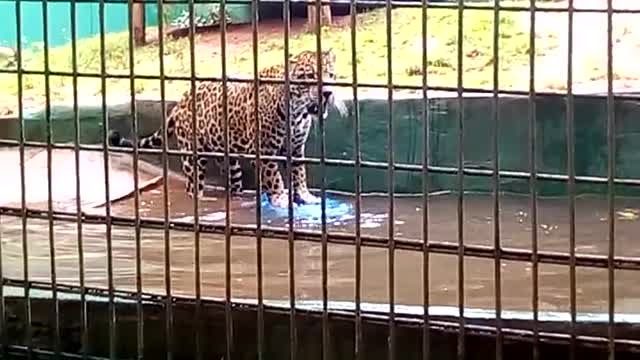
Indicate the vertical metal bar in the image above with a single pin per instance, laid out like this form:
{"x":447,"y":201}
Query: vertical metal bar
{"x":461,"y":334}
{"x":390,"y":188}
{"x":23,"y":199}
{"x":291,"y":236}
{"x":165,"y":191}
{"x":105,"y":129}
{"x":227,"y":230}
{"x":358,"y":182}
{"x":533,"y":199}
{"x":496,"y":180}
{"x":571,"y":183}
{"x":196,"y":170}
{"x":323,"y":186}
{"x":3,"y":319}
{"x":25,"y":249}
{"x":136,"y":186}
{"x":47,"y":112}
{"x":258,"y":169}
{"x":611,"y":172}
{"x":426,"y":334}
{"x":76,"y":140}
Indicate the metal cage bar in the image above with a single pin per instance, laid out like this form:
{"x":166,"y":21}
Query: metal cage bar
{"x":323,"y":184}
{"x":571,"y":187}
{"x":47,"y":110}
{"x":168,"y":303}
{"x":460,"y":180}
{"x":497,"y":245}
{"x":426,"y":334}
{"x":107,"y":192}
{"x":293,"y":332}
{"x":23,"y":187}
{"x":611,"y":172}
{"x":394,"y":3}
{"x":390,"y":187}
{"x":258,"y":181}
{"x":533,"y":187}
{"x":136,"y":186}
{"x":358,"y":335}
{"x":78,"y":202}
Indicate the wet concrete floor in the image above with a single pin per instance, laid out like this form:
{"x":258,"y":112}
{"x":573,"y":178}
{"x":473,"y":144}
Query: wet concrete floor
{"x":479,"y":289}
{"x":591,"y":238}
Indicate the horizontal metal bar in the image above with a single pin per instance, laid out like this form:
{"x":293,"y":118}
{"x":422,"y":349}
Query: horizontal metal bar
{"x":476,"y":251}
{"x":232,"y":79}
{"x":448,"y":170}
{"x":18,"y":350}
{"x":373,"y":317}
{"x":381,"y":3}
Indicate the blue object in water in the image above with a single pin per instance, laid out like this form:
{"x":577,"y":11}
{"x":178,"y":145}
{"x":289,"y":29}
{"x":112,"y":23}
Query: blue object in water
{"x":310,"y":214}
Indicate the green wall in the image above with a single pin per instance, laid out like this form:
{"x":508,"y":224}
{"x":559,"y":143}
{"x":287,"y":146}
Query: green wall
{"x":59,"y":17}
{"x":88,"y":20}
{"x":590,"y":141}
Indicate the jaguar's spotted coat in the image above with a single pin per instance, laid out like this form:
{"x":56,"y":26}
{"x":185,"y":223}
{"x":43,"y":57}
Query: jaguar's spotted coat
{"x":304,"y":104}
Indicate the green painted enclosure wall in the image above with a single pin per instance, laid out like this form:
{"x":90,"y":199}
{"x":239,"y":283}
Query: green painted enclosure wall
{"x":87,"y":20}
{"x":513,"y":141}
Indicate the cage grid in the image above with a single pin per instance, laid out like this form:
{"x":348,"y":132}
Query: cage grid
{"x":428,"y":246}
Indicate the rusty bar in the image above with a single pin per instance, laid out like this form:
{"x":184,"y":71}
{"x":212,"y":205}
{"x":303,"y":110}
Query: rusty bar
{"x":227,"y":205}
{"x":197,"y":182}
{"x":533,"y":199}
{"x":611,"y":172}
{"x":23,"y":187}
{"x":4,"y":340}
{"x":52,"y":247}
{"x":475,"y":251}
{"x":258,"y":167}
{"x":293,"y":81}
{"x":105,"y":156}
{"x":390,"y":186}
{"x":460,"y":178}
{"x":168,"y":303}
{"x":571,"y":188}
{"x":497,"y":269}
{"x":136,"y":186}
{"x":293,"y":341}
{"x":426,"y":334}
{"x":351,"y":163}
{"x":358,"y":343}
{"x":78,"y":203}
{"x":323,"y":183}
{"x":395,"y":3}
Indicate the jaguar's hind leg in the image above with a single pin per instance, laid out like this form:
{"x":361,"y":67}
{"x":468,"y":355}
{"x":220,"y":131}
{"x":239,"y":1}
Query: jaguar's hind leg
{"x":234,"y":173}
{"x":193,"y":179}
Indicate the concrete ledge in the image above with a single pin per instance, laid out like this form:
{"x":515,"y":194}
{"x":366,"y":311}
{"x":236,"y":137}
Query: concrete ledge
{"x":480,"y":341}
{"x":513,"y":137}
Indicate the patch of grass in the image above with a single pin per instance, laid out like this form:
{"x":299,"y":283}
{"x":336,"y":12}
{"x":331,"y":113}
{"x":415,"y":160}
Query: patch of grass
{"x":371,"y":47}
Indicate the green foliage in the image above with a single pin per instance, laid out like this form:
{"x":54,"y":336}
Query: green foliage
{"x":204,"y":15}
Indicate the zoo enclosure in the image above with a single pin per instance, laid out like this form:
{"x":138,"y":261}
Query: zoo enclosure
{"x":575,"y":343}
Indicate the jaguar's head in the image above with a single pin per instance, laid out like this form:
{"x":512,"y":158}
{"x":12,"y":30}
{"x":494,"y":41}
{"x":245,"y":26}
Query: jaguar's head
{"x":303,"y":66}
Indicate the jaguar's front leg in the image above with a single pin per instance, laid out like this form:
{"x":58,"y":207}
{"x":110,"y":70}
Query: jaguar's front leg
{"x":299,"y":177}
{"x":273,"y":185}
